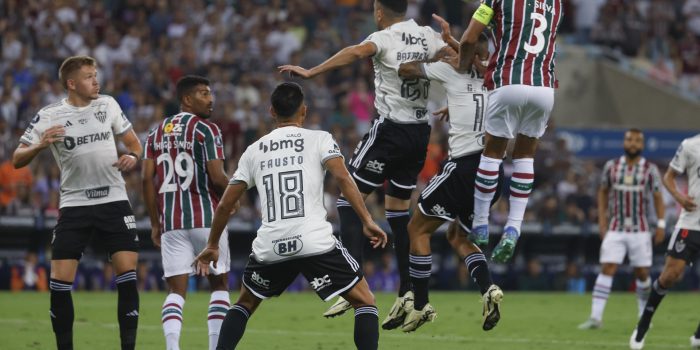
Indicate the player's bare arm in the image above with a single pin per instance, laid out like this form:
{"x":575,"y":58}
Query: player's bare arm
{"x":148,"y":187}
{"x":344,"y":57}
{"x":25,"y":153}
{"x":660,"y":214}
{"x":688,"y":203}
{"x":218,"y":225}
{"x":446,"y":33}
{"x":603,"y":211}
{"x":128,"y":161}
{"x":467,"y":44}
{"x":349,"y":190}
{"x":217,"y":175}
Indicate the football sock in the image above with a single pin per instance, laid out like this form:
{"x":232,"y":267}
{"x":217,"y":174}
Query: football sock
{"x":127,"y":308}
{"x":351,"y":230}
{"x":697,"y":332}
{"x":520,"y":188}
{"x":398,"y":220}
{"x":419,"y":270}
{"x":218,"y":307}
{"x":172,"y":320}
{"x":485,"y":189}
{"x":658,"y":292}
{"x":643,"y":290}
{"x":479,"y":270}
{"x":601,"y":292}
{"x":61,"y":313}
{"x":366,"y":328}
{"x":233,"y":327}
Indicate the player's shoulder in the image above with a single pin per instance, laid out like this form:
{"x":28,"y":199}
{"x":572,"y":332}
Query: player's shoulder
{"x":102,"y":98}
{"x":50,"y":108}
{"x":693,"y":141}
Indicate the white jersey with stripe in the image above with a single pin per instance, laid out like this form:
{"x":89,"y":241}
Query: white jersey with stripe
{"x":287,"y":167}
{"x":399,"y":100}
{"x":687,"y":161}
{"x":466,"y":102}
{"x":88,"y":150}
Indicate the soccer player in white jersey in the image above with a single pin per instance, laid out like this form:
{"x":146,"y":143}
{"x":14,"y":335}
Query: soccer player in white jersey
{"x":684,"y":246}
{"x":627,"y":185}
{"x":80,"y":130}
{"x":394,"y":149}
{"x":287,"y":166}
{"x":443,"y":199}
{"x":183,"y":179}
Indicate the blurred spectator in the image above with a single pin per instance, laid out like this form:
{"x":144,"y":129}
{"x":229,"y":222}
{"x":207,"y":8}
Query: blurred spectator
{"x":14,"y":182}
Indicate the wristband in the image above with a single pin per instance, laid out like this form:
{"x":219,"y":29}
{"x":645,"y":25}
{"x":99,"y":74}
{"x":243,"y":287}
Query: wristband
{"x":661,"y":223}
{"x":133,"y":155}
{"x":483,"y":14}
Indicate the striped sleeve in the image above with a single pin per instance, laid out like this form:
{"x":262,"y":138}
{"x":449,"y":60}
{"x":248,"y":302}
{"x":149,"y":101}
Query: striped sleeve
{"x":605,"y":180}
{"x":654,"y":178}
{"x":212,"y":141}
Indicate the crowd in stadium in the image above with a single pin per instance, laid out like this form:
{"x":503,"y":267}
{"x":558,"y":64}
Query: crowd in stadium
{"x":144,"y":46}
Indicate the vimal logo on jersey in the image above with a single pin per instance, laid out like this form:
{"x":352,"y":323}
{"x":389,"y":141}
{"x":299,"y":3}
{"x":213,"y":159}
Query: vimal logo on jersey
{"x":274,"y":145}
{"x":288,"y":246}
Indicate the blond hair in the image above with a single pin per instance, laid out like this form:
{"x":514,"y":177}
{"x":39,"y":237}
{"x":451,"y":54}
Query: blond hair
{"x":72,"y":64}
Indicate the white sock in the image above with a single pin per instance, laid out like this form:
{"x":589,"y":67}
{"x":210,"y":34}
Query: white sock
{"x":218,"y":306}
{"x":601,"y":292}
{"x":520,"y":189}
{"x":172,"y":320}
{"x":485,"y":189}
{"x":643,"y":290}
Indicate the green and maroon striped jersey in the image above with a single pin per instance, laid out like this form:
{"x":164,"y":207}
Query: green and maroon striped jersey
{"x":524,"y":32}
{"x":631,"y":188}
{"x":181,"y":146}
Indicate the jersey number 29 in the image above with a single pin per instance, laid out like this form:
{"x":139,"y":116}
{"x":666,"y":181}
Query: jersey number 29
{"x":183,"y":165}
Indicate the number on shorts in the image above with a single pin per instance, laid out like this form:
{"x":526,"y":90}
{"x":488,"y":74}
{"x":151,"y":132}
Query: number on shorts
{"x":182,"y":166}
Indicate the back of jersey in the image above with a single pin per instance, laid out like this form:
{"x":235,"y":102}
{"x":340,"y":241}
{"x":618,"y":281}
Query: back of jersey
{"x":287,"y":167}
{"x":402,"y":101}
{"x":525,"y":35}
{"x":181,"y":146}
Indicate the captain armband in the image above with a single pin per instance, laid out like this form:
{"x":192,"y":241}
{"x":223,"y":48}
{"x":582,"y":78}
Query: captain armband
{"x":483,"y":14}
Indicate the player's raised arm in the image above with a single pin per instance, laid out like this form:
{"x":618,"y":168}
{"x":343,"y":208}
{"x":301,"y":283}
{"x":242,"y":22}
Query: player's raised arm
{"x":344,"y":57}
{"x":349,"y":190}
{"x":467,"y":44}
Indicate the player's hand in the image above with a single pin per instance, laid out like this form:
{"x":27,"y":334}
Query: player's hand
{"x":444,"y":27}
{"x":202,"y":261}
{"x":295,"y":71}
{"x":125,"y":163}
{"x":443,"y":114}
{"x":51,"y":135}
{"x":687,"y":203}
{"x":659,"y":236}
{"x":377,"y":236}
{"x":155,"y":235}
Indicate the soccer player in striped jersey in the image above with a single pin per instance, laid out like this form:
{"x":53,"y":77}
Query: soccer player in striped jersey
{"x":684,"y":246}
{"x":521,"y":82}
{"x":394,"y":150}
{"x":287,"y":167}
{"x":183,"y":179}
{"x":442,"y":200}
{"x":81,"y":130}
{"x":627,"y":185}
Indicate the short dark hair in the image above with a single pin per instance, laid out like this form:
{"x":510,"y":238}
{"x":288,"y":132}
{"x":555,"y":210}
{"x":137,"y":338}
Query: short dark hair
{"x":398,"y":7}
{"x":286,"y":99}
{"x":635,"y":131}
{"x":72,"y":64}
{"x":185,"y":85}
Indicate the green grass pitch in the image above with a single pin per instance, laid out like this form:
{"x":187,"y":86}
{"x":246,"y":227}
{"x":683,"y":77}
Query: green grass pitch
{"x":529,"y":321}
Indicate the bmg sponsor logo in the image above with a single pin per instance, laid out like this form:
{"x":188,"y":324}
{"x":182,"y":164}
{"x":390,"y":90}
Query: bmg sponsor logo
{"x":273,"y":145}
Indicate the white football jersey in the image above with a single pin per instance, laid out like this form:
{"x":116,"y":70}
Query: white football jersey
{"x":402,"y":101}
{"x":88,"y":150}
{"x":466,"y":101}
{"x":687,"y":161}
{"x":287,"y":167}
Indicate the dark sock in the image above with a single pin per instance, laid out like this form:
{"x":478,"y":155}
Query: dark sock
{"x":366,"y":328}
{"x":658,"y":292}
{"x":419,"y":269}
{"x":351,"y":230}
{"x":479,"y":270}
{"x":61,"y":313}
{"x":128,"y":309}
{"x":398,"y":220}
{"x":233,"y":327}
{"x":697,"y":332}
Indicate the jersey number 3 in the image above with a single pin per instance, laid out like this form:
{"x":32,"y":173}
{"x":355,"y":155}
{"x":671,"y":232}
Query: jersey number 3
{"x":291,"y":195}
{"x":538,"y":33}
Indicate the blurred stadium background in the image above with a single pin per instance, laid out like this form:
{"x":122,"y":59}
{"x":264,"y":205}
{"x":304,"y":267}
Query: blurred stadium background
{"x":621,"y":64}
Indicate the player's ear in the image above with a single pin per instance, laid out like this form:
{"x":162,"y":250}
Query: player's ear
{"x":302,"y":110}
{"x":273,"y":113}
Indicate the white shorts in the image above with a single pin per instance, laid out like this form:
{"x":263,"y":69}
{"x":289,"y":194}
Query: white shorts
{"x":519,"y":109}
{"x":180,"y":247}
{"x":636,"y":245}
